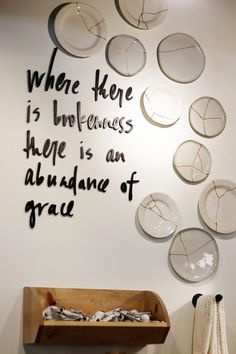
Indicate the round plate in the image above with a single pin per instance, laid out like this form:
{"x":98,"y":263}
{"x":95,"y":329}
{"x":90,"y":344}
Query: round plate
{"x":207,"y":116}
{"x":217,"y":206}
{"x":158,"y":215}
{"x":194,"y":254}
{"x":192,"y":161}
{"x":126,"y":55}
{"x":162,"y":106}
{"x":180,"y":58}
{"x":80,"y":29}
{"x":142,"y":14}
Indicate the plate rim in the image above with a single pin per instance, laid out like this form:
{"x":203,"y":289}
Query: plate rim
{"x":154,"y":88}
{"x":202,"y":208}
{"x":176,"y":169}
{"x":161,"y":196}
{"x":127,"y":19}
{"x":70,"y":50}
{"x":217,"y":251}
{"x":198,"y":45}
{"x":223,"y":110}
{"x":132,"y":37}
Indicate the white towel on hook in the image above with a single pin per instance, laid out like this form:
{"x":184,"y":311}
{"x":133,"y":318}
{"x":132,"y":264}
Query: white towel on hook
{"x":209,"y":332}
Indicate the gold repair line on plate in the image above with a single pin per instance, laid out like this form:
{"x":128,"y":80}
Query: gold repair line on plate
{"x":126,"y":51}
{"x":204,"y":115}
{"x":177,"y":49}
{"x":204,"y":118}
{"x":141,"y":16}
{"x":182,"y":241}
{"x":194,"y":160}
{"x":197,"y":249}
{"x":141,"y":19}
{"x":188,"y":254}
{"x":130,"y":51}
{"x":160,"y":215}
{"x":159,"y":115}
{"x":90,"y":29}
{"x":126,"y":56}
{"x":218,"y":202}
{"x":192,"y":252}
{"x":193,"y":167}
{"x":152,"y":209}
{"x":178,"y":254}
{"x":187,"y":262}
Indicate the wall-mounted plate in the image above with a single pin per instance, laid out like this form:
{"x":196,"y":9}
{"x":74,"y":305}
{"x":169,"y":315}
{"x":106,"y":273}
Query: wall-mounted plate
{"x":158,"y":215}
{"x":217,"y":206}
{"x":126,"y":55}
{"x":194,"y":254}
{"x":207,"y":117}
{"x":180,"y":58}
{"x":142,"y":14}
{"x":162,"y":106}
{"x":192,"y":161}
{"x":80,"y":29}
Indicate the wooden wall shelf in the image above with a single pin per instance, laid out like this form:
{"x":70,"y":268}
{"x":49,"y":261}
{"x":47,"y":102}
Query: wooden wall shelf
{"x":36,"y":330}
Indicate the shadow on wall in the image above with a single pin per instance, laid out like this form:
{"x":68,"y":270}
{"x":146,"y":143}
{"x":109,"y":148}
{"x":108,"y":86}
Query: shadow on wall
{"x":179,"y":339}
{"x":230,"y":335}
{"x":51,"y":31}
{"x":11,"y":333}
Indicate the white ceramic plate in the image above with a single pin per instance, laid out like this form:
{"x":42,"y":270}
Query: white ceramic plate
{"x":143,"y":14}
{"x":217,"y":206}
{"x":194,"y":254}
{"x":80,"y":29}
{"x":180,"y":58}
{"x":126,"y":55}
{"x":207,"y":116}
{"x":192,"y":161}
{"x":162,"y":106}
{"x":158,"y":215}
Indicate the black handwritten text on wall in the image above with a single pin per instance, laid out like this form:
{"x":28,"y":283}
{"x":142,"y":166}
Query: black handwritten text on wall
{"x":55,"y":149}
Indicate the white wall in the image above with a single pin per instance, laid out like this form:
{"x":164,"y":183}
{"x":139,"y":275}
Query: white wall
{"x":102,"y":246}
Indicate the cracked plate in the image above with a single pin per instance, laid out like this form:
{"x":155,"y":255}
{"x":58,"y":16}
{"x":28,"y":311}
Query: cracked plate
{"x":158,"y":215}
{"x":217,"y":206}
{"x":126,"y":55}
{"x":142,"y":14}
{"x":181,"y":58}
{"x":207,"y":117}
{"x":80,"y":29}
{"x":194,"y":254}
{"x":192,"y":161}
{"x":162,"y":106}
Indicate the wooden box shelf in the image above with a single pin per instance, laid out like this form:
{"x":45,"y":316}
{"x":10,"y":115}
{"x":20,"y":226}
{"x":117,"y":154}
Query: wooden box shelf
{"x":36,"y":330}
